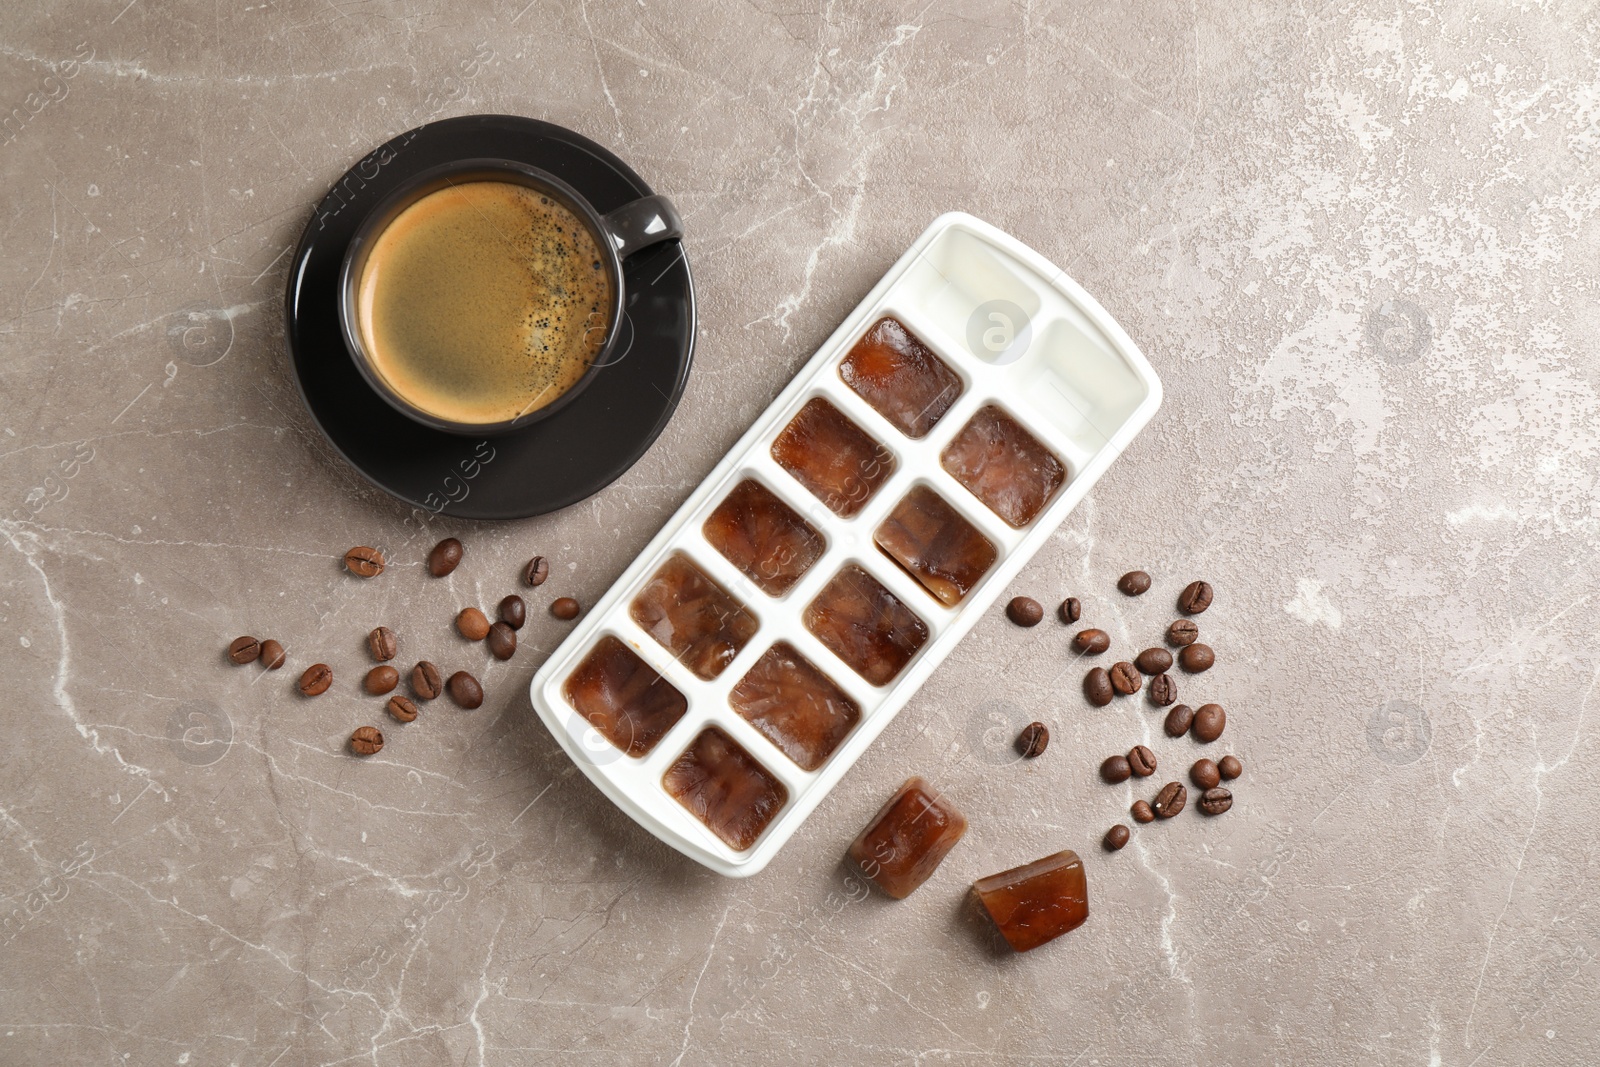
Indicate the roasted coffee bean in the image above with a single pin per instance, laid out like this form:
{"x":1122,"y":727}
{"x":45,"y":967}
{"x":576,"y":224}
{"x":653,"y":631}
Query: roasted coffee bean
{"x":465,"y":690}
{"x":402,"y":708}
{"x":536,"y":571}
{"x":272,"y":655}
{"x":1115,"y":837}
{"x":565,"y":608}
{"x":445,"y":557}
{"x":1204,"y":774}
{"x":425,"y":681}
{"x":1097,"y":687}
{"x":1197,"y":658}
{"x":1230,"y":768}
{"x":1115,"y":769}
{"x":1141,"y":761}
{"x":1182,"y":632}
{"x":1195,"y":598}
{"x":473,"y":624}
{"x":1024,"y":611}
{"x":1071,"y":610}
{"x":316,"y":679}
{"x":383,"y":644}
{"x":1209,"y":722}
{"x":1134,"y":582}
{"x":1170,"y":800}
{"x":381,"y":680}
{"x":1179,"y":719}
{"x":502,"y":641}
{"x":1141,"y":812}
{"x":244,"y":649}
{"x":1163,"y":690}
{"x":1033,"y":740}
{"x":1153,"y":660}
{"x":1091,"y":642}
{"x":1215,"y":801}
{"x":364,"y":562}
{"x":1125,"y":678}
{"x":513,"y":612}
{"x":366,"y":741}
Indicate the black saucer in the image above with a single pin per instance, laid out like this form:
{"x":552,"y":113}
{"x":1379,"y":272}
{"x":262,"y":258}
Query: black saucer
{"x":530,"y":471}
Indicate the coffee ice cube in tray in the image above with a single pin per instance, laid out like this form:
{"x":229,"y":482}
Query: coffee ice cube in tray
{"x":776,"y":624}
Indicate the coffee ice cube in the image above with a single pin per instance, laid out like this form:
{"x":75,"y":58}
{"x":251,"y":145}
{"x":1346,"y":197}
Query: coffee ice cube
{"x":865,"y":625}
{"x":725,"y":788}
{"x":623,"y":698}
{"x":764,"y":537}
{"x":1038,"y":901}
{"x":908,"y":839}
{"x":940,"y":549}
{"x":833,"y":457}
{"x":1004,"y":466}
{"x":891,"y":369}
{"x":694,"y":617}
{"x":795,"y":706}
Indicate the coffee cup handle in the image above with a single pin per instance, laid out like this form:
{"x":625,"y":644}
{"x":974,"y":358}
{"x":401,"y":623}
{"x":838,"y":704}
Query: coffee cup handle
{"x":647,"y":221}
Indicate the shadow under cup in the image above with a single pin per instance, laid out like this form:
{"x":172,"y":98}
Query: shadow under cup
{"x":615,"y":235}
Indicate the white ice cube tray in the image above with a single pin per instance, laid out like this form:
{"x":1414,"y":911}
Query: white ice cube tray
{"x":1065,"y":370}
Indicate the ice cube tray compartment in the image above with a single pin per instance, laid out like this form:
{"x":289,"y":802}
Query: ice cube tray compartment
{"x":1070,"y":378}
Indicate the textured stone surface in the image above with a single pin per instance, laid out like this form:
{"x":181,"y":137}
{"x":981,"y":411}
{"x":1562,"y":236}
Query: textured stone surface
{"x":1358,"y":242}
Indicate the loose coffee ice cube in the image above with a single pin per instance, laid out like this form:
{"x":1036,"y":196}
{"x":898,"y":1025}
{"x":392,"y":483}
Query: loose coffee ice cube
{"x":833,"y":457}
{"x":865,"y":625}
{"x":623,"y":698}
{"x":764,"y":537}
{"x":941,"y":550}
{"x":795,"y":706}
{"x":1038,"y":901}
{"x":1004,"y":466}
{"x":693,"y":616}
{"x":725,"y":788}
{"x":891,"y":369}
{"x":908,"y":839}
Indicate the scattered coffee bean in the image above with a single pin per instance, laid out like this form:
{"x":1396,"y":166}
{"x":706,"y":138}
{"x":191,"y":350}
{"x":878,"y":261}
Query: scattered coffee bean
{"x":1209,"y":722}
{"x":536,"y":571}
{"x":502,"y":641}
{"x":1153,"y":660}
{"x":1125,"y":678}
{"x":402,"y":708}
{"x":1182,"y":632}
{"x":366,"y":741}
{"x":1179,"y":720}
{"x":473,"y":624}
{"x":272,"y":655}
{"x":1024,"y":611}
{"x":465,"y":690}
{"x":1134,"y":582}
{"x":1071,"y":610}
{"x":445,"y":557}
{"x":1215,"y":801}
{"x":1230,"y":768}
{"x":513,"y":612}
{"x":1170,"y":800}
{"x":1197,"y":658}
{"x":1195,"y":598}
{"x":425,"y":681}
{"x":565,"y":608}
{"x":1141,"y":761}
{"x":244,"y":649}
{"x":1033,"y":740}
{"x":383,"y":644}
{"x":364,"y":562}
{"x":1115,"y":769}
{"x":1097,"y":687}
{"x":1091,"y":642}
{"x":1141,"y":812}
{"x":381,"y":680}
{"x":1116,"y":837}
{"x":1163,"y":690}
{"x":316,"y":679}
{"x":1204,"y":774}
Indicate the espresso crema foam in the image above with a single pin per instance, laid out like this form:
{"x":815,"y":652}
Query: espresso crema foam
{"x":483,"y":301}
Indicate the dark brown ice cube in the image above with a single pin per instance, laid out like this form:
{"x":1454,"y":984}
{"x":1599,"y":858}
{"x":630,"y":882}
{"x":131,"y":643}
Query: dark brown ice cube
{"x":891,"y":369}
{"x":623,"y":698}
{"x":939,"y":548}
{"x":1038,"y":901}
{"x":865,"y":625}
{"x":1004,"y":466}
{"x":725,"y":788}
{"x":795,"y":706}
{"x":908,"y":839}
{"x":694,"y":617}
{"x":764,"y":537}
{"x":833,"y":457}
